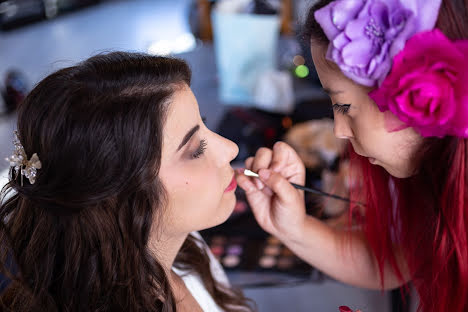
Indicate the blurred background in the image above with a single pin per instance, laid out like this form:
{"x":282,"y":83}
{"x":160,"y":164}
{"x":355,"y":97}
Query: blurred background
{"x":255,"y":84}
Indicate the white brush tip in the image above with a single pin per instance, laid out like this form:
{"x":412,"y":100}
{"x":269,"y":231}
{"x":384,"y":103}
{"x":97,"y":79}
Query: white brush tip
{"x":250,"y":173}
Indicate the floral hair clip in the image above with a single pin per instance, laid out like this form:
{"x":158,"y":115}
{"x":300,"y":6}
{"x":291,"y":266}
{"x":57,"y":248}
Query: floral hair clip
{"x":20,"y":163}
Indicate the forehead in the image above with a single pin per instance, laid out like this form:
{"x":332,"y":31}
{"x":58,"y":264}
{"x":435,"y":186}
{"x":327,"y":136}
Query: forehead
{"x":330,"y":74}
{"x":324,"y":66}
{"x":183,"y":114}
{"x":183,"y":106}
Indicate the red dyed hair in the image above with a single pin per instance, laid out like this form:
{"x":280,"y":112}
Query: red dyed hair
{"x":425,"y":215}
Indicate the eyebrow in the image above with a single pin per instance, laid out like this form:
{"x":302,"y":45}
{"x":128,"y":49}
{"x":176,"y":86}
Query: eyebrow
{"x":331,"y":92}
{"x":188,"y":136}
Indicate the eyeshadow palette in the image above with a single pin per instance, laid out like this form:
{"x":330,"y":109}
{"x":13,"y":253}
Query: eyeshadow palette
{"x":241,"y":245}
{"x":246,"y":254}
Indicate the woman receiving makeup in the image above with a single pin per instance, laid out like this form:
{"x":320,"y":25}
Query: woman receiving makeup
{"x":113,"y":172}
{"x":396,"y":72}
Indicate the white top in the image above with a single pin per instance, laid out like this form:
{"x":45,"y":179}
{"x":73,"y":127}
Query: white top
{"x":4,"y":177}
{"x":195,"y":285}
{"x":3,"y":181}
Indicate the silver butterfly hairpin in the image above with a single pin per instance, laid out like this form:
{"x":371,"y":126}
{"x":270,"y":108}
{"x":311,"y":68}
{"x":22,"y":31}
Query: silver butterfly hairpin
{"x":20,"y":163}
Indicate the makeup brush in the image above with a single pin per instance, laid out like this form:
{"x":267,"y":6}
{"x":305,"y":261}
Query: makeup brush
{"x":250,"y":173}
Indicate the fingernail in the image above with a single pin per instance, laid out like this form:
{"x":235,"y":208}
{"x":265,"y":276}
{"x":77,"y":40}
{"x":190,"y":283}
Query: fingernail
{"x":259,"y":184}
{"x":264,"y":174}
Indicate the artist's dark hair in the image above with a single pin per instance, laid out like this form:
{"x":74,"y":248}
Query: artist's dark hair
{"x":77,"y":239}
{"x":430,"y":220}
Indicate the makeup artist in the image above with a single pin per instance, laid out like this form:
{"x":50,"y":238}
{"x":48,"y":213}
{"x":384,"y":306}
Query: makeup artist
{"x":396,"y":72}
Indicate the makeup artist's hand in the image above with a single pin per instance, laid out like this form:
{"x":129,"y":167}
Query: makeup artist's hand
{"x":278,"y":207}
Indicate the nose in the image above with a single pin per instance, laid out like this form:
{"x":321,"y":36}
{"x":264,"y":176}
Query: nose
{"x":342,"y":128}
{"x":227,"y":150}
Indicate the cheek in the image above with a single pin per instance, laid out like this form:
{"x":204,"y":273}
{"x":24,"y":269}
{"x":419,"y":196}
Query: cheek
{"x":370,"y":135}
{"x":197,"y":202}
{"x":202,"y":176}
{"x":197,"y":185}
{"x":362,"y":141}
{"x":408,"y":147}
{"x":396,"y":154}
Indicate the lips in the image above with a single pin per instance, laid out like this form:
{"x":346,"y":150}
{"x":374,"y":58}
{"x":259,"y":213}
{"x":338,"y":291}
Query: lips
{"x":232,"y":186}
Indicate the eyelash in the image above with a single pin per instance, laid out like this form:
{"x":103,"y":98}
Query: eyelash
{"x":341,"y":108}
{"x":200,"y":150}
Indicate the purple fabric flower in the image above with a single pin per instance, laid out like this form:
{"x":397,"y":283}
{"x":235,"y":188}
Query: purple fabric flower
{"x":365,"y":35}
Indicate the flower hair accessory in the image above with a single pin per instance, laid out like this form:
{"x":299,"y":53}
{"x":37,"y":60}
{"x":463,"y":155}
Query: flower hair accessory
{"x":20,"y":163}
{"x":420,"y":75}
{"x":365,"y":35}
{"x":426,"y":88}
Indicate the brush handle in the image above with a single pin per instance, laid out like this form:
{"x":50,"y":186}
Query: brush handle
{"x":250,"y":173}
{"x":319,"y":192}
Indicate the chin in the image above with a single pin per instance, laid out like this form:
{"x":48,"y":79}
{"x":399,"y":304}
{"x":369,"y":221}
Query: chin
{"x":224,"y":211}
{"x":227,"y":205}
{"x":402,"y":175}
{"x":398,"y":173}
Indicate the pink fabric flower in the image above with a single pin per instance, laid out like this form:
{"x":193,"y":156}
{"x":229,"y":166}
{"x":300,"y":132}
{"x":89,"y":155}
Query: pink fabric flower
{"x":427,"y":86}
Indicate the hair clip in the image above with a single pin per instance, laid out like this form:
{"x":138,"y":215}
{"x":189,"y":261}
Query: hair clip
{"x":20,"y":163}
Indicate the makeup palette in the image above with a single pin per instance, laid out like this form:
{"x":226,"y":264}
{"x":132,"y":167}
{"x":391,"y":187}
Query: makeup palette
{"x":240,"y":245}
{"x":245,"y":254}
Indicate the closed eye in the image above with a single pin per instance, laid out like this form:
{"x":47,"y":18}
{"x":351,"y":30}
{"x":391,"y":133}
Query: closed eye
{"x":341,"y":108}
{"x":200,"y":150}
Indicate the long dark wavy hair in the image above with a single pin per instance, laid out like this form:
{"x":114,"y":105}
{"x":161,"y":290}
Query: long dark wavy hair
{"x":77,"y":239}
{"x":430,"y":219}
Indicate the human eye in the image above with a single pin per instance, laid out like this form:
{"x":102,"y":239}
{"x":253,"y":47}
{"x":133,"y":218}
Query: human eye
{"x":341,"y":108}
{"x":200,"y":150}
